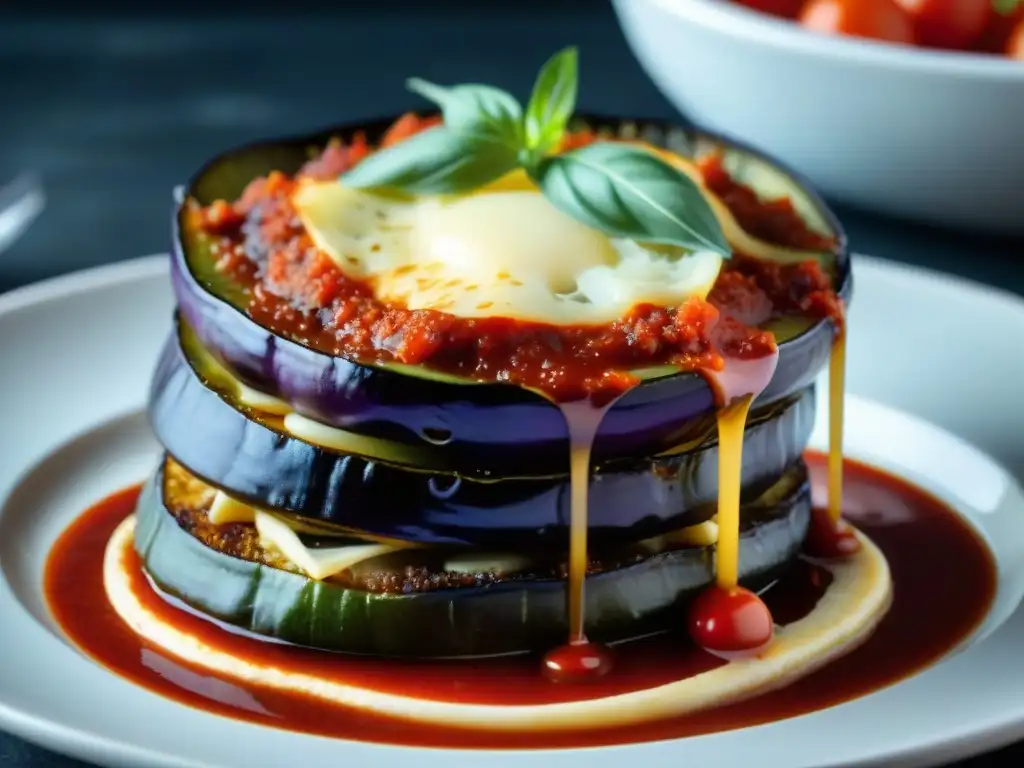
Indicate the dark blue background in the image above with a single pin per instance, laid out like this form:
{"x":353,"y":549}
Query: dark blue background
{"x":115,"y":104}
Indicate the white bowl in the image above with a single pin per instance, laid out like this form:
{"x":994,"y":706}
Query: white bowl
{"x":930,"y":135}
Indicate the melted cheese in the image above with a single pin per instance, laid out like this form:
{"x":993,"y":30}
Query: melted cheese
{"x":337,"y":439}
{"x":317,"y":563}
{"x":224,"y":509}
{"x":504,"y":252}
{"x":280,"y":534}
{"x":260,"y":401}
{"x":703,"y":534}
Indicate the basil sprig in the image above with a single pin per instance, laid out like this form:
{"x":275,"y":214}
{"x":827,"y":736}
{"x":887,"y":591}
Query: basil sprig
{"x":617,"y":188}
{"x":552,"y":102}
{"x":626,"y":191}
{"x":477,"y":109}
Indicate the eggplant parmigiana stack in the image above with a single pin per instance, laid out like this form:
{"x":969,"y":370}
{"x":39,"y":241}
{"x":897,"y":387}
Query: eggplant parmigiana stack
{"x":363,"y":398}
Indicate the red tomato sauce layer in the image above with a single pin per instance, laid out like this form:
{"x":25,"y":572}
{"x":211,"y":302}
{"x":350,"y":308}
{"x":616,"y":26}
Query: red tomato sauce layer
{"x":297,"y":291}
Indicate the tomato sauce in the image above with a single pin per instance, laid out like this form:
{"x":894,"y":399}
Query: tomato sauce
{"x":944,"y":582}
{"x":774,"y":221}
{"x":297,"y":291}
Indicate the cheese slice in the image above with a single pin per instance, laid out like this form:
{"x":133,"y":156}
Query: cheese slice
{"x":737,"y":237}
{"x":502,"y":252}
{"x":337,"y":439}
{"x":309,"y":430}
{"x":220,"y":377}
{"x":281,"y":535}
{"x":507,"y":251}
{"x":703,"y":534}
{"x":224,"y":509}
{"x":260,"y":401}
{"x":319,"y":563}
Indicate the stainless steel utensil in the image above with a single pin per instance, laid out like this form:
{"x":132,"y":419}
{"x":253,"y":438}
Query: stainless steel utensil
{"x":21,"y":202}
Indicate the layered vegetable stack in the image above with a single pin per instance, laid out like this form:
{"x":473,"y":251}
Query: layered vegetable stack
{"x":353,"y":473}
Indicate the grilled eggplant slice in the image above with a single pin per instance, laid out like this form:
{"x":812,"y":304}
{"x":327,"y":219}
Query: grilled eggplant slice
{"x":494,"y":422}
{"x":393,"y":490}
{"x":515,"y":612}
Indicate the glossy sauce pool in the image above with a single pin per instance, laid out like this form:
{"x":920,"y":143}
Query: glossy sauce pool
{"x":944,"y":581}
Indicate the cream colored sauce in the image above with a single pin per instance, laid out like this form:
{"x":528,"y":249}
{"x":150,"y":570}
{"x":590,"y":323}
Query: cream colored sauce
{"x":845,"y":616}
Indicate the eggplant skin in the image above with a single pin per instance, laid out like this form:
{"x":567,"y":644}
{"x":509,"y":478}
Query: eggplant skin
{"x":509,"y":617}
{"x":493,"y":422}
{"x":629,"y":500}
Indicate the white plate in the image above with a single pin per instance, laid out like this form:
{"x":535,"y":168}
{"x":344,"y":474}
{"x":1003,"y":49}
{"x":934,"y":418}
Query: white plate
{"x":77,"y":356}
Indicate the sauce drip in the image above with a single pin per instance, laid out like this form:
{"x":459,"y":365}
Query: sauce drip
{"x":836,"y":406}
{"x":579,"y":659}
{"x":732,"y":420}
{"x":727,"y":619}
{"x":934,"y":608}
{"x":829,"y":536}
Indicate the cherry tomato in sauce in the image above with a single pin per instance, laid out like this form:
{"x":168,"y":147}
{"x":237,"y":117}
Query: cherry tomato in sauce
{"x":730,"y":621}
{"x":955,"y":24}
{"x":830,"y":539}
{"x":577,"y":663}
{"x":874,"y":19}
{"x":786,"y":8}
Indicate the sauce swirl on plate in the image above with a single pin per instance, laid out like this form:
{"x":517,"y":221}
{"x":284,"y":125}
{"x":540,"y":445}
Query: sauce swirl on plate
{"x":917,"y":631}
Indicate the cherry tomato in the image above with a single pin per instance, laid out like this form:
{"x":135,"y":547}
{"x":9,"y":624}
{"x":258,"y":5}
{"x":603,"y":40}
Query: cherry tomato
{"x":997,"y":34}
{"x":956,"y":24}
{"x":730,"y":621}
{"x":876,"y":19}
{"x":786,"y":8}
{"x":1015,"y":45}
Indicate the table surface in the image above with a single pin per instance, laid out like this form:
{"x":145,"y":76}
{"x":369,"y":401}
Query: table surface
{"x":112,"y":112}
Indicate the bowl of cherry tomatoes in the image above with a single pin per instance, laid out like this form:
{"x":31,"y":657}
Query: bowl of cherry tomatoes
{"x":913,"y":108}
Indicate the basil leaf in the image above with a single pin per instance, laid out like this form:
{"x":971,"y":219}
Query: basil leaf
{"x":1006,"y":7}
{"x":477,"y":109}
{"x":436,"y":161}
{"x":552,"y":101}
{"x":626,"y":191}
